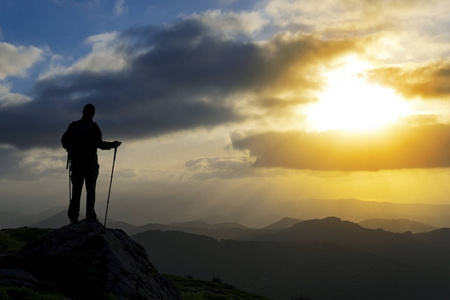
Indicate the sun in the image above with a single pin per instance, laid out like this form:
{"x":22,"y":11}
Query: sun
{"x":353,"y":104}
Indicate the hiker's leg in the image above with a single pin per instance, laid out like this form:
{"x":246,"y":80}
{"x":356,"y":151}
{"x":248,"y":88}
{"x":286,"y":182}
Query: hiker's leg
{"x":77,"y":186}
{"x":91,"y":182}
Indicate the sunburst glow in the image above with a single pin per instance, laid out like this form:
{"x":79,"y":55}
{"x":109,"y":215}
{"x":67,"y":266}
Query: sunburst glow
{"x":351,"y":103}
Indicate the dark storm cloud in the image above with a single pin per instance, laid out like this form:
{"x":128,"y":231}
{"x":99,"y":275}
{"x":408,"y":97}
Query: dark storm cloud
{"x":177,"y":77}
{"x":400,"y":147}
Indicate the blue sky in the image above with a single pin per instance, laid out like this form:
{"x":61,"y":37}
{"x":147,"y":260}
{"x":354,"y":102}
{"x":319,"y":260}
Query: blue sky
{"x":61,"y":27}
{"x":228,"y":108}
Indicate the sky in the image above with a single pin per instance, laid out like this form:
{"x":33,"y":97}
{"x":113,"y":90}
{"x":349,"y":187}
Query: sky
{"x":228,"y":110}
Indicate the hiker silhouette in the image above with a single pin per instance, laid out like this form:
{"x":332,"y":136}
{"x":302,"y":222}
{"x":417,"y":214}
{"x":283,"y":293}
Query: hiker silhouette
{"x":81,"y":140}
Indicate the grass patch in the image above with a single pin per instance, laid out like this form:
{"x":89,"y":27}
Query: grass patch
{"x":14,"y":239}
{"x":23,"y":293}
{"x":194,"y":289}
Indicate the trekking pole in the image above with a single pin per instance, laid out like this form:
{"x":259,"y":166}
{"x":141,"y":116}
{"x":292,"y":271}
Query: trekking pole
{"x":70,"y":177}
{"x":110,"y":183}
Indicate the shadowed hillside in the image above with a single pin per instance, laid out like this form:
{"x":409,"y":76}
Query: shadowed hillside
{"x":397,"y":226}
{"x":320,"y":259}
{"x":19,"y":284}
{"x":335,"y":231}
{"x":283,"y":223}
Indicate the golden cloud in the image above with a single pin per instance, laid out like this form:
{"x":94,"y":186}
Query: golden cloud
{"x":426,"y":81}
{"x":397,"y":147}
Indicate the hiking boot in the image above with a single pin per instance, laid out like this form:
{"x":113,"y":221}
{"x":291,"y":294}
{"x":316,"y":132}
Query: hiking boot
{"x":73,"y":220}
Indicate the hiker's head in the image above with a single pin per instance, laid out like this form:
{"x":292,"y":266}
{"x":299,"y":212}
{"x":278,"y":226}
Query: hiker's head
{"x":89,"y":111}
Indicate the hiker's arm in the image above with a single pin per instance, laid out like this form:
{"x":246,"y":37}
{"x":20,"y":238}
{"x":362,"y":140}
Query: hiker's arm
{"x":104,"y":145}
{"x":109,"y":145}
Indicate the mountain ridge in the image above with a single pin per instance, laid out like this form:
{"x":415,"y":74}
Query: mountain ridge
{"x":333,"y":261}
{"x":285,"y":222}
{"x":437,"y":215}
{"x":397,"y":225}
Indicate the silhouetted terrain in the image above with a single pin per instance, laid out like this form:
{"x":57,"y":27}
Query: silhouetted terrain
{"x":348,"y":209}
{"x":215,"y":289}
{"x":357,"y":210}
{"x":438,"y":239}
{"x":14,"y":219}
{"x":202,"y":224}
{"x":87,"y":261}
{"x":335,"y":231}
{"x":292,"y":258}
{"x":69,"y":273}
{"x":320,"y":259}
{"x":283,"y":223}
{"x":398,"y":226}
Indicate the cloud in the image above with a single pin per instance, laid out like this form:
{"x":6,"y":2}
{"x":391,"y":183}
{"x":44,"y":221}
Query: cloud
{"x":232,"y":23}
{"x":220,"y":167}
{"x":355,"y":16}
{"x":104,"y":57}
{"x":329,"y":16}
{"x":120,"y":7}
{"x":7,"y":99}
{"x":14,"y":61}
{"x":398,"y":147}
{"x":28,"y":165}
{"x":426,"y":81}
{"x":9,"y":159}
{"x":154,"y":80}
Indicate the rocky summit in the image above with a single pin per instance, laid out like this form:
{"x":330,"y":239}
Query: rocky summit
{"x":88,"y":261}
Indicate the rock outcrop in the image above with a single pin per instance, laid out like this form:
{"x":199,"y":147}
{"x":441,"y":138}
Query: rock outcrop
{"x":88,"y":261}
{"x":18,"y":278}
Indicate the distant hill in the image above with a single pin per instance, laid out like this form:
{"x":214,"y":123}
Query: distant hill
{"x":348,"y":209}
{"x":398,"y":226}
{"x":217,"y":231}
{"x":55,"y":221}
{"x":5,"y":215}
{"x":233,"y":231}
{"x":14,"y":220}
{"x":60,"y":219}
{"x":335,"y":231}
{"x":317,"y":259}
{"x":356,"y":210}
{"x":283,"y":223}
{"x":57,"y":218}
{"x":203,"y":224}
